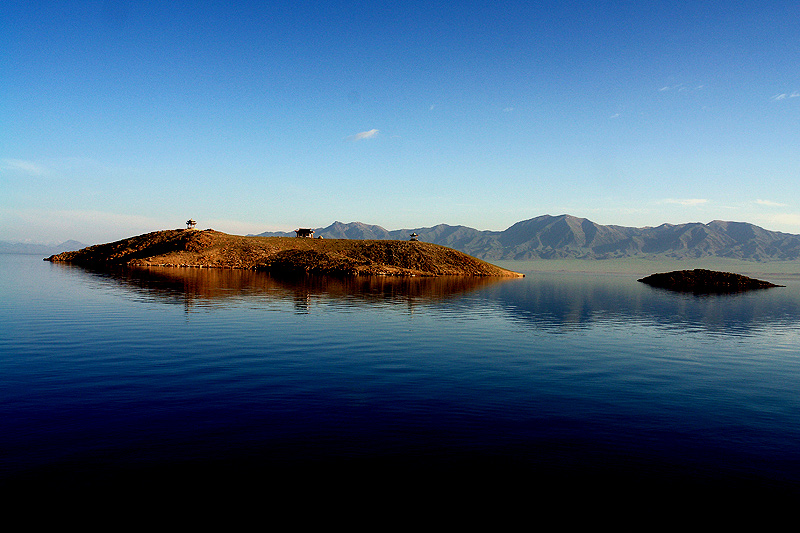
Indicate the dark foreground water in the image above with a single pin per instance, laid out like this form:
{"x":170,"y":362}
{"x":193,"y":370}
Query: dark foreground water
{"x":564,"y":383}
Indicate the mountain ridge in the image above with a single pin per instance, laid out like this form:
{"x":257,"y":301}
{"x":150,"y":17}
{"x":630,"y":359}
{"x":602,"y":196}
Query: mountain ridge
{"x":570,"y":237}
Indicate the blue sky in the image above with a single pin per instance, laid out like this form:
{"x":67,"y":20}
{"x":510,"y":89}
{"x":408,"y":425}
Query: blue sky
{"x":118,"y":118}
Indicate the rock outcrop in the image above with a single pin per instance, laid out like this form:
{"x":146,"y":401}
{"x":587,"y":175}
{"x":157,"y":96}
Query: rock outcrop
{"x":701,"y":281}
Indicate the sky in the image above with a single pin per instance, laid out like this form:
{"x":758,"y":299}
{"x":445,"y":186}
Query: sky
{"x":118,"y":118}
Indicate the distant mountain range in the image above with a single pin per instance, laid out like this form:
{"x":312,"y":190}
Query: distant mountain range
{"x":44,"y":250}
{"x":566,"y":236}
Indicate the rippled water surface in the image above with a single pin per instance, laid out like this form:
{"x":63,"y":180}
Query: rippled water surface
{"x":578,"y":377}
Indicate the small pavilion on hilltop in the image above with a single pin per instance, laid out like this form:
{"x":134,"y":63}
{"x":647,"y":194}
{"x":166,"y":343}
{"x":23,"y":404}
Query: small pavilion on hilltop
{"x":307,"y":233}
{"x":413,"y":237}
{"x":191,"y":223}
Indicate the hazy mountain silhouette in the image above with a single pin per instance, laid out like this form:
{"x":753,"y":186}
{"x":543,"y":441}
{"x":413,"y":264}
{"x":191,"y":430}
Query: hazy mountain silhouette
{"x":7,"y":247}
{"x":566,"y":236}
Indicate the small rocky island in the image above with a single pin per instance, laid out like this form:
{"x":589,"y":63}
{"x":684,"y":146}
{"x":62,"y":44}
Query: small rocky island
{"x":282,"y":255}
{"x":700,"y":281}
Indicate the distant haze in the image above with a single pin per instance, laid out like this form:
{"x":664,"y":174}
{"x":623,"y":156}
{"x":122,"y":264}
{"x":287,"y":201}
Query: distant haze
{"x":39,"y":249}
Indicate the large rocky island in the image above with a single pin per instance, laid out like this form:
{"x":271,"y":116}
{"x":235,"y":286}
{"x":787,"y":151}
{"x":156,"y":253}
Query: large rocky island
{"x":705,"y":281}
{"x":282,"y":255}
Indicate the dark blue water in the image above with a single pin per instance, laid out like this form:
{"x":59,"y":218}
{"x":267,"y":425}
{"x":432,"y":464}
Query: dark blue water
{"x":571,"y":381}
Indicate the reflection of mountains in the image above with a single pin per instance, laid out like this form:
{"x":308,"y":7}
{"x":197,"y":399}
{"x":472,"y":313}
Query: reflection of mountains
{"x":209,"y":285}
{"x":568,"y":301}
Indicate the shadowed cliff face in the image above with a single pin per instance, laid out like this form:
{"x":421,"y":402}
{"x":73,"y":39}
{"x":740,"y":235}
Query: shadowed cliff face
{"x":705,"y":281}
{"x":213,"y":249}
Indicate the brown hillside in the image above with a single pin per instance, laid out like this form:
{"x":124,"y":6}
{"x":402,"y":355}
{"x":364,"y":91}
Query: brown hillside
{"x":213,"y":249}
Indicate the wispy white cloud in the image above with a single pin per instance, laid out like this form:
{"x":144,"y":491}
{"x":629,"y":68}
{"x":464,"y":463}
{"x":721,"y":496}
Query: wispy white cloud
{"x":60,"y":167}
{"x":769,"y":203}
{"x":681,"y":87}
{"x":685,"y":201}
{"x":783,"y":96}
{"x":26,"y":167}
{"x":508,"y":110}
{"x":364,"y":135}
{"x":785,"y":219}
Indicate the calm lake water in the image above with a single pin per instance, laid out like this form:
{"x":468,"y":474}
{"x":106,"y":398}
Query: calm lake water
{"x":569,"y":380}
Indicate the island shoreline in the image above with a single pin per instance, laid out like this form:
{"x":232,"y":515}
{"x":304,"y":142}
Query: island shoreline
{"x":189,"y":248}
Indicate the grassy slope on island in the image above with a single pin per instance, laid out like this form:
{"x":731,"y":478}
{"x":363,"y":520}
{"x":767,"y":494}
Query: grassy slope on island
{"x":214,"y":249}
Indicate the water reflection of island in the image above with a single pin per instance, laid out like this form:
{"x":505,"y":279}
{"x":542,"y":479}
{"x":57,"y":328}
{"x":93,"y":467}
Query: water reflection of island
{"x":565,"y":301}
{"x":546,"y":301}
{"x":207,"y":286}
